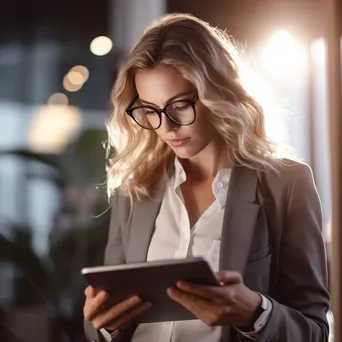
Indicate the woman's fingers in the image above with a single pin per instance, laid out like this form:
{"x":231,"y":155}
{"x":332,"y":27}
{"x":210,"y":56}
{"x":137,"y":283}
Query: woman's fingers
{"x":94,"y":304}
{"x":114,"y":317}
{"x":108,"y":318}
{"x":129,"y":317}
{"x":90,"y":292}
{"x":215,"y":293}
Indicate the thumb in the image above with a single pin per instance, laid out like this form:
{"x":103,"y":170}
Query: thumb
{"x":229,"y":277}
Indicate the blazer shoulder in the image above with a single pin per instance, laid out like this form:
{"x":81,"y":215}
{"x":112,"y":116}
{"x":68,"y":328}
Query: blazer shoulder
{"x":288,"y":173}
{"x":291,"y":169}
{"x":123,"y":201}
{"x":123,"y":207}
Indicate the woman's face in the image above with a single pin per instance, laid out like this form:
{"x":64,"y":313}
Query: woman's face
{"x":155,"y":88}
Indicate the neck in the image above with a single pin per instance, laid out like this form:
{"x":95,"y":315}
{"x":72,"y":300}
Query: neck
{"x":206,"y":164}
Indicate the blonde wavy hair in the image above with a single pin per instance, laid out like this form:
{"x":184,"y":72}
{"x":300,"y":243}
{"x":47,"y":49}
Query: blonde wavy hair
{"x":206,"y":57}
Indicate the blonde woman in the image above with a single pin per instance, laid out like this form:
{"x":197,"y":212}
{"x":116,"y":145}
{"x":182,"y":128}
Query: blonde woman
{"x":194,"y":174}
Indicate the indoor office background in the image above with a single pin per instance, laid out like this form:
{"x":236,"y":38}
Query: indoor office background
{"x":58,"y":61}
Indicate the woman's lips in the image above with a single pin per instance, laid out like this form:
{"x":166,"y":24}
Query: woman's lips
{"x":178,"y":142}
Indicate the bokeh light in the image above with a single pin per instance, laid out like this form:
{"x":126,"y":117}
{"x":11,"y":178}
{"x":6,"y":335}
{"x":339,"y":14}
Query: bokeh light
{"x":75,"y":78}
{"x":52,"y":127}
{"x":58,"y":99}
{"x":101,"y":46}
{"x":70,"y":86}
{"x":81,"y":70}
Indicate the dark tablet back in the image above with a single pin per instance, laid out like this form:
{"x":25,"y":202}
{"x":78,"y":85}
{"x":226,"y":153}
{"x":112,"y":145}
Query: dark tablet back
{"x":150,"y":280}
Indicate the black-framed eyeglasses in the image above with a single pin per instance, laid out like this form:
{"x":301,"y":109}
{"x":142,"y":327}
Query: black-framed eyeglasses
{"x":181,"y":112}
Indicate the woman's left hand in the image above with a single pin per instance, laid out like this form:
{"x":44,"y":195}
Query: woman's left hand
{"x":230,"y":304}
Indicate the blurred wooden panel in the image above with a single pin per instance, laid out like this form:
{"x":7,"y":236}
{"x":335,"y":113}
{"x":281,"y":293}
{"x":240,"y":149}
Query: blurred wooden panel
{"x":333,"y":36}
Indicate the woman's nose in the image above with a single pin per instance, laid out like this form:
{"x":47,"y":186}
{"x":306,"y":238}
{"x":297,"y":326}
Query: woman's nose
{"x":167,"y":125}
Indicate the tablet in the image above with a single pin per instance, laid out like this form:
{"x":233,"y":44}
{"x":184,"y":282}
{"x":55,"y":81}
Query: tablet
{"x":150,"y":280}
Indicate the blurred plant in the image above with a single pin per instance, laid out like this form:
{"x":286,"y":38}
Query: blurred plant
{"x":77,"y":239}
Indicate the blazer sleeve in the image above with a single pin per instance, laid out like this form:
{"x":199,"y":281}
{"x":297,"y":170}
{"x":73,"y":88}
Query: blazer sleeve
{"x":114,"y":255}
{"x":300,"y":307}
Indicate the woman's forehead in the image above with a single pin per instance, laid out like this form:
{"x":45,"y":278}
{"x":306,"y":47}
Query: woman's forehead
{"x":161,"y":83}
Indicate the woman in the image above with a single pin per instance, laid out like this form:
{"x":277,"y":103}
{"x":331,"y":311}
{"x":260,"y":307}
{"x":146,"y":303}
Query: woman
{"x":195,"y":174}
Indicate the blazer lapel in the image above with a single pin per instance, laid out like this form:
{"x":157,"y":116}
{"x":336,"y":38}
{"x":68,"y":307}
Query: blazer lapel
{"x":239,"y":221}
{"x":142,"y":227}
{"x":143,"y":223}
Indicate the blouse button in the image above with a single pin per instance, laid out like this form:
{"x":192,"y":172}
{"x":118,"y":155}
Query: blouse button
{"x":220,"y":185}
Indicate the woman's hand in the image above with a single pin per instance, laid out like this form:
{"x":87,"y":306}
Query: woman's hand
{"x":231,"y":304}
{"x":116,"y":317}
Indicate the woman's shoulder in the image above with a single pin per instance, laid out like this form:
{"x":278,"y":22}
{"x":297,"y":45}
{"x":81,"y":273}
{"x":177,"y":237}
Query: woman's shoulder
{"x":293,"y":181}
{"x":286,"y":173}
{"x":125,"y":202}
{"x":290,"y":169}
{"x":120,"y":202}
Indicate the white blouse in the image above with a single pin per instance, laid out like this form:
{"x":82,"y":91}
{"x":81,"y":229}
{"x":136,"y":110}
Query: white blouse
{"x":174,"y":238}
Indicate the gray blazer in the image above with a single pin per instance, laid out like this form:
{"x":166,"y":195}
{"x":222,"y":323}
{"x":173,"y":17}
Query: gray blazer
{"x":271,"y":234}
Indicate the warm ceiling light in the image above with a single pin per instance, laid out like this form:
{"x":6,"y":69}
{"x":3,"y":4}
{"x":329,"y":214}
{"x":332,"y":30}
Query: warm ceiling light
{"x":100,"y":46}
{"x":58,"y":99}
{"x":82,"y":70}
{"x":70,"y":86}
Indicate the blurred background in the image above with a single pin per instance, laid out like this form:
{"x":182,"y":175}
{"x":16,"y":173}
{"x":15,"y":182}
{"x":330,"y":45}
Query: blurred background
{"x":58,"y":61}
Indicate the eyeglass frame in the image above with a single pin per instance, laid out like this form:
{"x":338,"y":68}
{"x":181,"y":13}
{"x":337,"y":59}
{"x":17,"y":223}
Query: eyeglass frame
{"x":191,"y":102}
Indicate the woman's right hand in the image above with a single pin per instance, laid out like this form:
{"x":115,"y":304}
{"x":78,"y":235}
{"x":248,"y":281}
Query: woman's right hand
{"x":115,"y":317}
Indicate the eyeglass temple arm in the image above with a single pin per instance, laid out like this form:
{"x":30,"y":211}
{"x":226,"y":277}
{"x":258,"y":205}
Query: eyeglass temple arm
{"x":135,"y":98}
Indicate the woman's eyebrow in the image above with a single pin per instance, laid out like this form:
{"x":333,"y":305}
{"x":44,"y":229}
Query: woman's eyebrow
{"x":170,"y":99}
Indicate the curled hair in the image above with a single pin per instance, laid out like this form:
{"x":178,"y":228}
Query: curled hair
{"x":206,"y":57}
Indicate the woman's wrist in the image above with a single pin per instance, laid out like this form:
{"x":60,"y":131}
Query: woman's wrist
{"x":255,"y":311}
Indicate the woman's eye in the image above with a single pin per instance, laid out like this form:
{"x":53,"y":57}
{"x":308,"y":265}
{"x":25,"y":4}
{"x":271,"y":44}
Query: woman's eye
{"x":181,"y":107}
{"x":149,"y":112}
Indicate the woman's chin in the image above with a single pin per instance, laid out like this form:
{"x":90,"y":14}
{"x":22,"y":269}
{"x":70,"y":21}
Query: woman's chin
{"x":183,"y":152}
